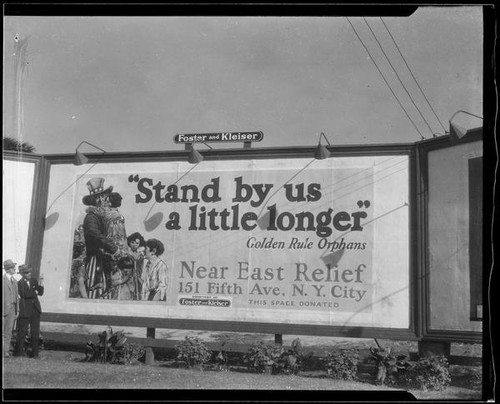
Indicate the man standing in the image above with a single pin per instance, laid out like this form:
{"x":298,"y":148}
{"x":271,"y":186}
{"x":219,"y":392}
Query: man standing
{"x":10,"y":304}
{"x":29,"y":310}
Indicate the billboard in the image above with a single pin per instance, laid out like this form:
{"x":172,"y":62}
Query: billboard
{"x":292,"y":241}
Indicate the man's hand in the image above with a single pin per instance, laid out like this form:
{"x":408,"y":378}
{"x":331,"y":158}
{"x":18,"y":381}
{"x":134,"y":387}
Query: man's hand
{"x":97,"y":286}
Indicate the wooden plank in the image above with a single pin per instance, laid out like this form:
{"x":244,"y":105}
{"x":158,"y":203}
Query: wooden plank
{"x":77,"y":342}
{"x":239,"y":153}
{"x":80,"y":340}
{"x":232,"y":326}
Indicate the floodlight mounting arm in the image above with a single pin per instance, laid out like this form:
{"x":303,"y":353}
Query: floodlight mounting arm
{"x":327,"y":141}
{"x":90,"y":144}
{"x":190,"y":146}
{"x":465,"y":112}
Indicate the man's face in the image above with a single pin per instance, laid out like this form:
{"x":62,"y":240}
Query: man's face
{"x":11,"y":270}
{"x":103,"y":200}
{"x":148,"y":253}
{"x":27,"y":276}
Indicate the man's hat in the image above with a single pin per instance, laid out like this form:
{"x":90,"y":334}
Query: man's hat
{"x":96,"y":187}
{"x":8,"y":264}
{"x":24,"y":269}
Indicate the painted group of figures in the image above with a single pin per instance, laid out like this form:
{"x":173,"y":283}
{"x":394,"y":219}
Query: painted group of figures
{"x":108,"y":264}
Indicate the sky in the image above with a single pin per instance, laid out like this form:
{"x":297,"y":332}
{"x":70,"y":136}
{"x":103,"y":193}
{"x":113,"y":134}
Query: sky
{"x":130,"y":84}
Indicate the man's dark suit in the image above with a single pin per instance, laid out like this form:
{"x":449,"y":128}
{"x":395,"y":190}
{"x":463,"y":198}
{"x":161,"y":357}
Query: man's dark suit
{"x":29,"y":314}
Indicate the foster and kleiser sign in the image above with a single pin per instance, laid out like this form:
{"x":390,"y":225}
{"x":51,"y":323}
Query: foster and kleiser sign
{"x":255,"y":136}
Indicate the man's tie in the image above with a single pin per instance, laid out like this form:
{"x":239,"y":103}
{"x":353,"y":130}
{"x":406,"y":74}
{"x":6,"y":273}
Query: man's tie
{"x":13,"y":289}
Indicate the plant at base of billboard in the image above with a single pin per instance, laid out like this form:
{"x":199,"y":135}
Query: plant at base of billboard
{"x":431,"y":373}
{"x":342,"y":364}
{"x":428,"y":373}
{"x":293,"y":360}
{"x":193,"y":352}
{"x":471,"y":377}
{"x":264,"y":358}
{"x":387,"y":363}
{"x":111,"y":347}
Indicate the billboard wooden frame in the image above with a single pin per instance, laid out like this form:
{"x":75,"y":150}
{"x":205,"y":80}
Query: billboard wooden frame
{"x":422,"y":186}
{"x":411,"y":333}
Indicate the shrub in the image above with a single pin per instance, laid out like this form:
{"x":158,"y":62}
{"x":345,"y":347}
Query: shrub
{"x":222,"y":358}
{"x":193,"y":352}
{"x":426,"y":374}
{"x":264,"y":358}
{"x":112,"y":347}
{"x":221,"y":361}
{"x":387,"y":363}
{"x":292,"y":361}
{"x":342,"y":364}
{"x":475,"y":378}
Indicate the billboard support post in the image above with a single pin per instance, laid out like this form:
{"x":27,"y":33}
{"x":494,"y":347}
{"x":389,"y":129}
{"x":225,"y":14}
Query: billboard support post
{"x":278,"y":339}
{"x":150,"y":356}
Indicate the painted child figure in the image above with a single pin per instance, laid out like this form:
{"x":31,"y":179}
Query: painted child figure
{"x":136,"y":244}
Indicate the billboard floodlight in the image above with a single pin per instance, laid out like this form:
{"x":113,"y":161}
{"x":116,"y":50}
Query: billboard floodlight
{"x":195,"y":156}
{"x":80,"y":158}
{"x":457,"y":132}
{"x":322,"y":152}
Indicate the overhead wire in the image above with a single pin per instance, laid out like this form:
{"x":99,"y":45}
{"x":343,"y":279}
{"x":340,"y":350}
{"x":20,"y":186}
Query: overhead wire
{"x":397,"y":75}
{"x":385,"y":80}
{"x":411,"y":72}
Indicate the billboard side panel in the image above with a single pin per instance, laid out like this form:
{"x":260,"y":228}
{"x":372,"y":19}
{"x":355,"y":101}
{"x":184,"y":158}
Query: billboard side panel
{"x":17,"y":187}
{"x":452,"y":238}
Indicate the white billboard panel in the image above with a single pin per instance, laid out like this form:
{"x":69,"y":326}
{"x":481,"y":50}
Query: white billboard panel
{"x":292,"y":241}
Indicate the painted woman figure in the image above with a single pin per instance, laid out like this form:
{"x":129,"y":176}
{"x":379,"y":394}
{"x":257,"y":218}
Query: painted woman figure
{"x":78,"y":273}
{"x":115,"y":223}
{"x":98,"y":247}
{"x":154,"y":274}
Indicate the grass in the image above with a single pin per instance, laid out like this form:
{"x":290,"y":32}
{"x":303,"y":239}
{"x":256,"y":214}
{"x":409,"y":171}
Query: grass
{"x":59,"y":371}
{"x":50,"y":373}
